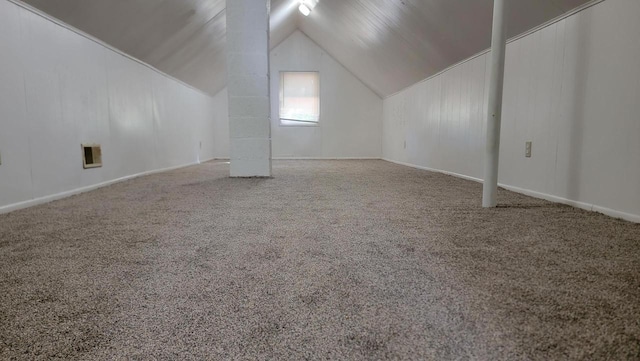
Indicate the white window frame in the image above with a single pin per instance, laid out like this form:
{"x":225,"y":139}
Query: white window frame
{"x":284,"y":122}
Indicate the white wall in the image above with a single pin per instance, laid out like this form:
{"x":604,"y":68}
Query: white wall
{"x":573,"y":89}
{"x":350,"y":113}
{"x":59,"y":89}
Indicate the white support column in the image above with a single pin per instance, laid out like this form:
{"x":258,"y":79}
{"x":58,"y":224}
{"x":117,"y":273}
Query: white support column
{"x":494,"y":116}
{"x":248,"y":87}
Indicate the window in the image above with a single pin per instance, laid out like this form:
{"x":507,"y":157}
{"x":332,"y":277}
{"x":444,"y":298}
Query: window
{"x":299,"y":98}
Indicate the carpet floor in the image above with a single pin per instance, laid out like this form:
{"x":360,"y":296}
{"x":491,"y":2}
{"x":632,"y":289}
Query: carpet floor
{"x":327,"y":260}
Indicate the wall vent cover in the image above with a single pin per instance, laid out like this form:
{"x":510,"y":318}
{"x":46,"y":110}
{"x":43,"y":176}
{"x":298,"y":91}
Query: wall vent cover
{"x":91,"y":156}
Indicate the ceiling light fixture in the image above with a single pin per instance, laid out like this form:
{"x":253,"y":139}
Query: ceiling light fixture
{"x":304,"y":9}
{"x":307,"y":6}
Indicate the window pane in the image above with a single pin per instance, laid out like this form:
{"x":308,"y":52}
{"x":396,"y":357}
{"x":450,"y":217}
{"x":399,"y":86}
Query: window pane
{"x":300,"y":96}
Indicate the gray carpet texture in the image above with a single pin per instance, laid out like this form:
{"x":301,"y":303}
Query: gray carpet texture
{"x":340,"y":260}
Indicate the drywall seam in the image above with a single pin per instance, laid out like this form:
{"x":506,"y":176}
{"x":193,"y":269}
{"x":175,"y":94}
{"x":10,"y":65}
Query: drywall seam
{"x":26,"y":117}
{"x":582,"y":205}
{"x":510,"y":40}
{"x":58,"y":196}
{"x":61,"y":23}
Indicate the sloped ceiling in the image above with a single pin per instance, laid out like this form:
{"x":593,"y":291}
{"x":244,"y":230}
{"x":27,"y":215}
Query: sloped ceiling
{"x":391,"y":44}
{"x":388,"y":44}
{"x":183,"y":38}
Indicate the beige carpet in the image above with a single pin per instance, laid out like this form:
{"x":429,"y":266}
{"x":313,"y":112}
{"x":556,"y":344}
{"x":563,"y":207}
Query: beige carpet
{"x":327,"y":260}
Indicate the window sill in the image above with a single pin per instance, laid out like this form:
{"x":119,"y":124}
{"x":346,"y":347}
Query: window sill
{"x":295,"y":124}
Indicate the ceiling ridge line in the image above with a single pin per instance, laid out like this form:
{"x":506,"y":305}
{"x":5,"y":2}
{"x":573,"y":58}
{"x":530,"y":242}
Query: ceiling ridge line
{"x":339,"y":62}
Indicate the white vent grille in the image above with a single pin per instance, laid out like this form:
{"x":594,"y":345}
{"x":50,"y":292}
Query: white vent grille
{"x":91,"y":156}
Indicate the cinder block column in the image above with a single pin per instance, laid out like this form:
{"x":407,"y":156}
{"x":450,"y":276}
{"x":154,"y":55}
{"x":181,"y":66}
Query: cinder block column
{"x":248,"y":87}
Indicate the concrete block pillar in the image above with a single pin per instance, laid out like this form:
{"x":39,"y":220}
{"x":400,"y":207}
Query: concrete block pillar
{"x":248,"y":87}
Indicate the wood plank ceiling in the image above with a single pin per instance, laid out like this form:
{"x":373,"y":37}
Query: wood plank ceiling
{"x":388,"y":44}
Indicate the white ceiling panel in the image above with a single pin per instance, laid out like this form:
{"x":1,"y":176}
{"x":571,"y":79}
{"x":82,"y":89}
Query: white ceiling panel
{"x":388,"y":44}
{"x":391,"y":44}
{"x":183,"y":38}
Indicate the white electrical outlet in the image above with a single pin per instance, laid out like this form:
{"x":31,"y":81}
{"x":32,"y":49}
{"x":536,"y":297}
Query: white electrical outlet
{"x":528,"y":149}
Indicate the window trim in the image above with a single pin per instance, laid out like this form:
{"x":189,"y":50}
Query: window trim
{"x":294,"y":122}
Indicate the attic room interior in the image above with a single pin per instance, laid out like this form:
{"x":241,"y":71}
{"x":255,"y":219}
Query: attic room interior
{"x":320,"y":179}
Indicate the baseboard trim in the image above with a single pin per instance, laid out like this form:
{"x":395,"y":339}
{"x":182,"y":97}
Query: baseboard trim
{"x":62,"y":195}
{"x":315,"y":158}
{"x":457,"y":175}
{"x":582,"y":205}
{"x":326,"y":158}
